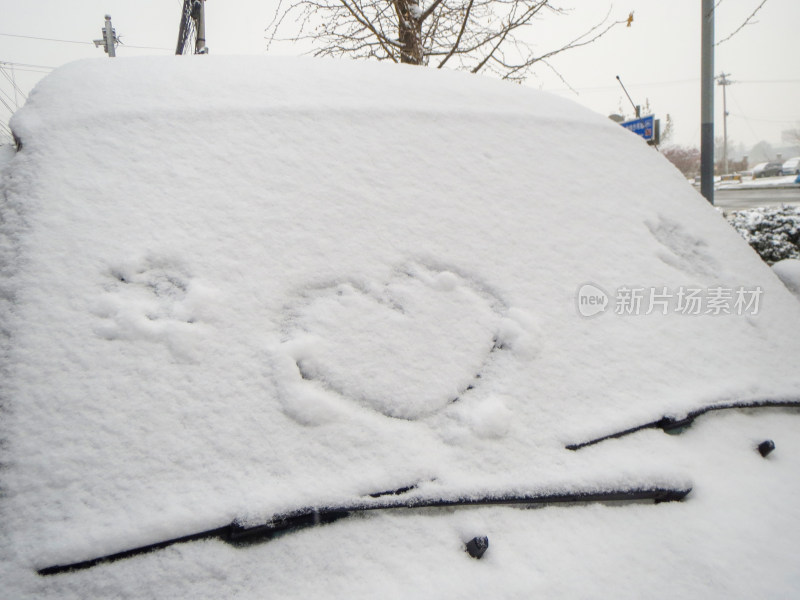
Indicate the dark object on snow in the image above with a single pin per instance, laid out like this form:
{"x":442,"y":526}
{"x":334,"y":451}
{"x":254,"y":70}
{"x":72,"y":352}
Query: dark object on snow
{"x":240,"y":535}
{"x":765,"y":447}
{"x":477,"y":546}
{"x":673,"y":425}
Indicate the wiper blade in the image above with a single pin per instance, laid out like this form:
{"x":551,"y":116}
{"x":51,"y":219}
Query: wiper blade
{"x":670,"y":424}
{"x":237,"y":534}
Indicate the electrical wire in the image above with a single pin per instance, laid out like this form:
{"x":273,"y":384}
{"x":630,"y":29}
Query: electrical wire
{"x":673,"y":82}
{"x":16,"y":64}
{"x":121,"y":43}
{"x":742,"y":116}
{"x":633,"y":86}
{"x":10,"y":99}
{"x":22,"y":70}
{"x":785,"y":121}
{"x":13,"y":83}
{"x":746,"y":120}
{"x":4,"y":103}
{"x":770,"y":81}
{"x":46,"y":39}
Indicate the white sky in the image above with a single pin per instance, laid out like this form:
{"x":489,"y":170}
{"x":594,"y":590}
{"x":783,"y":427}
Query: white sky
{"x":658,"y":58}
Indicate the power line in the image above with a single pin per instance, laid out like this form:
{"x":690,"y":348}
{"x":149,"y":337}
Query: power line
{"x":746,"y":120}
{"x":770,"y":81}
{"x":635,"y":85}
{"x":13,"y":83}
{"x":4,"y":93}
{"x":653,"y":84}
{"x":784,"y":121}
{"x":15,"y":64}
{"x":33,"y":71}
{"x":4,"y":103}
{"x":143,"y":47}
{"x":46,"y":39}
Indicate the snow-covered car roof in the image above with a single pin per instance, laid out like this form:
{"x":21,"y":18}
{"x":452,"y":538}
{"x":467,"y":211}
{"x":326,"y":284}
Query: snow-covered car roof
{"x":237,"y":289}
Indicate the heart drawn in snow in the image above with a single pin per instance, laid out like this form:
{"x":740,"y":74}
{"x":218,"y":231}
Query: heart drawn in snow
{"x":405,"y":348}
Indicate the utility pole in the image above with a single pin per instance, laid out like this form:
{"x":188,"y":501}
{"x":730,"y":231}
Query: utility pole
{"x":707,"y":102}
{"x":724,"y":82}
{"x":193,"y":25}
{"x":199,"y":16}
{"x":109,"y":40}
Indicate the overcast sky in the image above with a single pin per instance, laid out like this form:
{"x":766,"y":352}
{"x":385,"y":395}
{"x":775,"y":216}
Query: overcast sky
{"x":658,"y":57}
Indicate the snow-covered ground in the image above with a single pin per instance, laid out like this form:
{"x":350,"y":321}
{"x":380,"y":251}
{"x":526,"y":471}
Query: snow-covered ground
{"x":750,"y":183}
{"x":783,"y":181}
{"x":237,"y":287}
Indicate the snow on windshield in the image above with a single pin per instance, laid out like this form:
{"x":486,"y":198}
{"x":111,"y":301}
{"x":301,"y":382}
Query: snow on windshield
{"x":239,"y":286}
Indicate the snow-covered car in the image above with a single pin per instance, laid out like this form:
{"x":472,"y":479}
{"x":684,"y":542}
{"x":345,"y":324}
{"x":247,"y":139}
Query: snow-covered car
{"x":791,"y":166}
{"x":299,"y":329}
{"x":767,"y":169}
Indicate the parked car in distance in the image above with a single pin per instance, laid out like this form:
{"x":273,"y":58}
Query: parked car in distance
{"x":791,"y":166}
{"x":767,"y":169}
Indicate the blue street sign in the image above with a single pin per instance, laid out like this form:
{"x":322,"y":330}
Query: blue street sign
{"x":645,"y":127}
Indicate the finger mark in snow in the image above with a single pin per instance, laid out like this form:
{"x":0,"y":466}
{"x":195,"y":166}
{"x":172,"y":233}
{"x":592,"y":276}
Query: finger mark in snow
{"x":686,"y":253}
{"x":405,"y":348}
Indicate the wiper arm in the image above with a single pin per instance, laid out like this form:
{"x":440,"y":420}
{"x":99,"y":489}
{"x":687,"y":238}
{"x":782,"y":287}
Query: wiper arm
{"x":240,"y":535}
{"x":675,"y":425}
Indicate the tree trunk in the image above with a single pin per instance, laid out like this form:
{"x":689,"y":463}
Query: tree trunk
{"x":409,"y":31}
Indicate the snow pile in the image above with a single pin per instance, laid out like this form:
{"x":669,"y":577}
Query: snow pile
{"x":772,"y":232}
{"x":788,"y":271}
{"x":239,"y":287}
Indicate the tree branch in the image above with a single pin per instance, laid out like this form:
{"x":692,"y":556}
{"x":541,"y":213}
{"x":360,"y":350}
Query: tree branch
{"x":745,"y":24}
{"x":365,"y":23}
{"x":429,"y":10}
{"x":460,"y":35}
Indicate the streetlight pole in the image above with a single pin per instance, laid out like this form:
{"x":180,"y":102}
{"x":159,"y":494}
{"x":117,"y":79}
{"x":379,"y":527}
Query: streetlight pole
{"x":637,"y":109}
{"x":724,"y":82}
{"x":707,"y":102}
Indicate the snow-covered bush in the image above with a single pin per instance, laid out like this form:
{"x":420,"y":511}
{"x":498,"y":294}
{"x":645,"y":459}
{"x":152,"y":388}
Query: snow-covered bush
{"x":772,"y":232}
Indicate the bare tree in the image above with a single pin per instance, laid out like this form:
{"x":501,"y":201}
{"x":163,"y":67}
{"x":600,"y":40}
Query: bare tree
{"x":791,"y":136}
{"x":474,"y":35}
{"x":685,"y":158}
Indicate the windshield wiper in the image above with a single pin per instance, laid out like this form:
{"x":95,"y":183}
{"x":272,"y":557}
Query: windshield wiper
{"x":239,"y":535}
{"x":670,"y":424}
